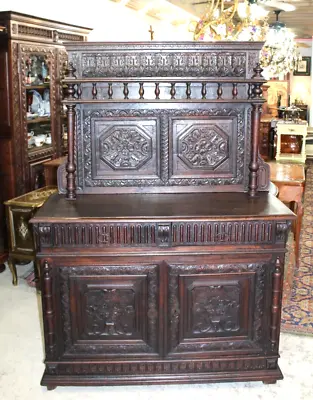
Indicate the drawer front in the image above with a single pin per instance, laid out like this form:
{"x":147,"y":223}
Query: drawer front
{"x":70,"y":236}
{"x":292,"y":130}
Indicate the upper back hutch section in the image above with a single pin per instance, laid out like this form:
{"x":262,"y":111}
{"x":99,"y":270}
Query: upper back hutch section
{"x":164,"y":117}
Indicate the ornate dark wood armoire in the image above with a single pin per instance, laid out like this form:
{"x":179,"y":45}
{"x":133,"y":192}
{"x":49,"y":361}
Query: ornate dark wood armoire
{"x":32,"y":58}
{"x":162,"y":261}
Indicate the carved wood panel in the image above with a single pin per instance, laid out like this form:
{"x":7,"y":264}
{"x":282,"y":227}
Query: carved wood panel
{"x":110,"y":310}
{"x":153,"y":148}
{"x":125,"y":148}
{"x":217,"y":308}
{"x":203,"y":147}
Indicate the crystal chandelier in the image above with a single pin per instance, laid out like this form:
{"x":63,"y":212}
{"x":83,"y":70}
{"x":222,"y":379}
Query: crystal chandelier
{"x":279,"y":54}
{"x":236,"y":20}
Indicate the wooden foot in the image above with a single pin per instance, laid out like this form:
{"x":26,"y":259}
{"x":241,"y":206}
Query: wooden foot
{"x":269,"y":381}
{"x":12,"y":267}
{"x":50,"y":387}
{"x":2,"y":268}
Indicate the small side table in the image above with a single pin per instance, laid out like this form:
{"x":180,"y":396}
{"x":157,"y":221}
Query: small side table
{"x":286,"y":128}
{"x":290,"y":180}
{"x":18,"y":212}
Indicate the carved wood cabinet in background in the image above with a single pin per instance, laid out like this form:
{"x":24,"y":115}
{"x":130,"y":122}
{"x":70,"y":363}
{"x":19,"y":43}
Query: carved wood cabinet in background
{"x":162,"y":257}
{"x":32,"y":62}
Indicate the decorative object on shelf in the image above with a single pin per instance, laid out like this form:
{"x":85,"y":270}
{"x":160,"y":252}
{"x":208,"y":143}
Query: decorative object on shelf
{"x":279,"y":54}
{"x":303,"y":67}
{"x":237,"y":20}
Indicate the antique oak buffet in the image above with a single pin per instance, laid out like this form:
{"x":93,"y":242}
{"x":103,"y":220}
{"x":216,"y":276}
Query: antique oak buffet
{"x":162,"y":256}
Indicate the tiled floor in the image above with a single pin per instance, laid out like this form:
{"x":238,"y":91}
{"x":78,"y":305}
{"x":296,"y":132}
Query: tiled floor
{"x":21,"y":366}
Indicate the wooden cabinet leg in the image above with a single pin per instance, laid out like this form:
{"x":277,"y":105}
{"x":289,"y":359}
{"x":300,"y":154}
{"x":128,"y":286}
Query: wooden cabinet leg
{"x":50,"y":387}
{"x":269,"y":381}
{"x":12,"y":267}
{"x":2,"y":268}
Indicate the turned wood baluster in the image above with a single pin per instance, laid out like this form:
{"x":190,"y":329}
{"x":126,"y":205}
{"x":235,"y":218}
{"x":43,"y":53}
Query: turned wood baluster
{"x":254,"y":164}
{"x":203,"y":91}
{"x":141,"y":90}
{"x":49,"y":314}
{"x":110,"y":91}
{"x":219,"y":91}
{"x":249,"y":91}
{"x":157,"y":91}
{"x":79,"y":91}
{"x":235,"y":91}
{"x":188,"y":90}
{"x":70,"y":166}
{"x":172,"y":91}
{"x":126,"y":91}
{"x":276,"y":303}
{"x":94,"y":91}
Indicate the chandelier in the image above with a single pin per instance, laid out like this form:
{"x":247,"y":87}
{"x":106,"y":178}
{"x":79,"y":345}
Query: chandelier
{"x":232,"y":20}
{"x":279,"y":54}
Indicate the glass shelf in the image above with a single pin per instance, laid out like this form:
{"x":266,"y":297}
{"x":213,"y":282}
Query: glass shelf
{"x":37,"y":120}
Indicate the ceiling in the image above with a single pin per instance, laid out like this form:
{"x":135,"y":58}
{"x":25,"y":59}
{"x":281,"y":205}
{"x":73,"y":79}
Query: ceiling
{"x":299,"y":21}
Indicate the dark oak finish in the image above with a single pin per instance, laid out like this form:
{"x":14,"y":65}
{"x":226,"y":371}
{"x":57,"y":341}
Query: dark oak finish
{"x":162,"y":258}
{"x":23,"y":37}
{"x":290,"y":181}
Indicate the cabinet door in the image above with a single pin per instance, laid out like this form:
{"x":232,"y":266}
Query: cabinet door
{"x":39,"y":105}
{"x":219,"y":308}
{"x":105,"y":311}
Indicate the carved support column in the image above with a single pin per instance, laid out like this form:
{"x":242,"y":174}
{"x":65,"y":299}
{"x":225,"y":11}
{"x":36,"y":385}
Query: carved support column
{"x":70,"y":166}
{"x":47,"y":299}
{"x":276,"y":303}
{"x":254,"y":163}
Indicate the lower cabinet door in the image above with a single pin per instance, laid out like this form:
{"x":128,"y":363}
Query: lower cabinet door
{"x":219,"y":309}
{"x":101,"y":311}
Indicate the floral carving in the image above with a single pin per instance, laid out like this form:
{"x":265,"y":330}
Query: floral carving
{"x":203,"y":146}
{"x":125,"y":147}
{"x":110,"y":312}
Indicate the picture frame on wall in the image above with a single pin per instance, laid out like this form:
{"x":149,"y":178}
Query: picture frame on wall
{"x":303,"y":67}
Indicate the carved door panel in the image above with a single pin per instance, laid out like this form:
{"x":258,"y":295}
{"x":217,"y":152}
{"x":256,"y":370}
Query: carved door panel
{"x":219,"y":308}
{"x":108,"y":311}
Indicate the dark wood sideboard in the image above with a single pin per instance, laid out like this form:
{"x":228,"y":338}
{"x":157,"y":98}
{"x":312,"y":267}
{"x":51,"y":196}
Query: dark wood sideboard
{"x":162,"y":256}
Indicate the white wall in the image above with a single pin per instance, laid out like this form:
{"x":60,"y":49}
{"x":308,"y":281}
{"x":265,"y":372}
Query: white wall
{"x":109,"y":20}
{"x":301,"y":86}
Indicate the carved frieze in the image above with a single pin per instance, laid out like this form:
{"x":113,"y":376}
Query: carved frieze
{"x":152,"y":234}
{"x":161,"y":367}
{"x":142,"y":64}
